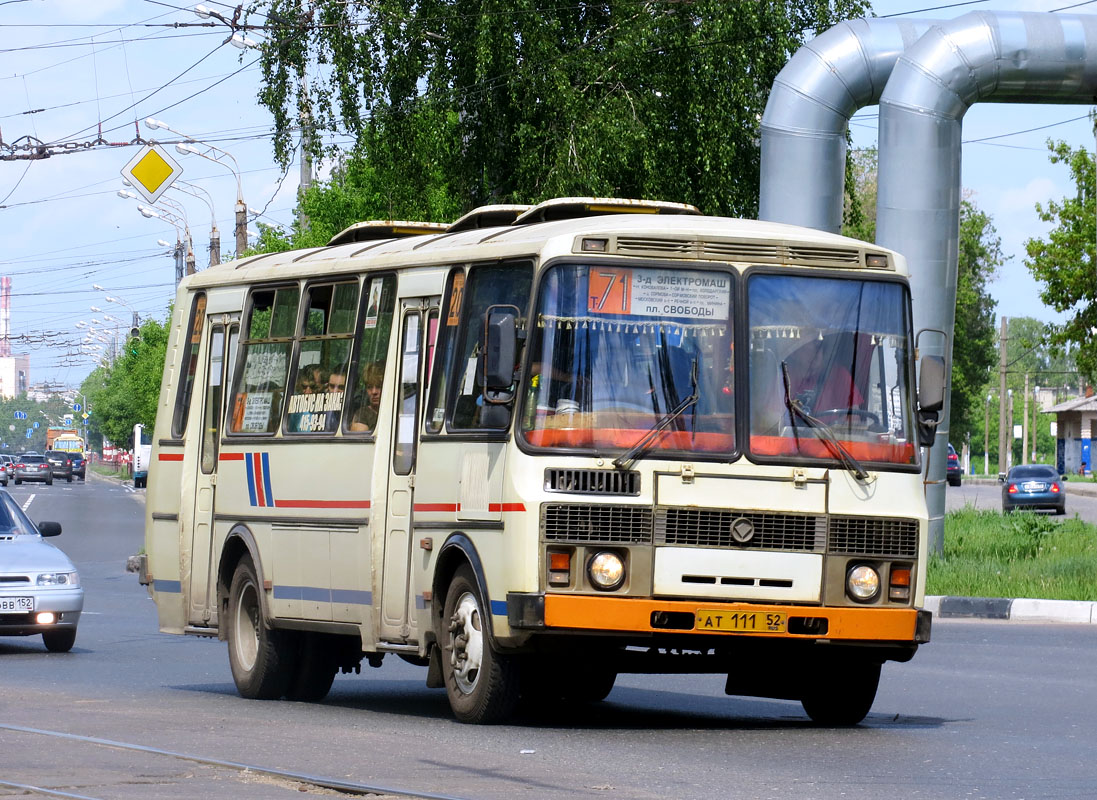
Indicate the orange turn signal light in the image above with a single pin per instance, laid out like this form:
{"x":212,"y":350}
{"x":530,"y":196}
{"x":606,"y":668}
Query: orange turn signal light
{"x":560,"y":561}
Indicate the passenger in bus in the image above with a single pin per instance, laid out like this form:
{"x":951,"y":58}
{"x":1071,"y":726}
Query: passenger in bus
{"x":369,"y":399}
{"x":310,"y":380}
{"x":336,"y":388}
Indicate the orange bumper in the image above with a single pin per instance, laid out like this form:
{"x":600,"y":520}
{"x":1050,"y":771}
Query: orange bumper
{"x":580,"y":612}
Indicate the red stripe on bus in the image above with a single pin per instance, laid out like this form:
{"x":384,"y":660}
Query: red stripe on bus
{"x":231,"y":457}
{"x":437,"y":507}
{"x":506,"y":507}
{"x":322,"y":503}
{"x":171,"y":456}
{"x":257,"y":466}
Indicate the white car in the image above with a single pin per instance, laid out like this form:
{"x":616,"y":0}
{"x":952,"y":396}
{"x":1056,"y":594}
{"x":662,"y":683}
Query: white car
{"x":40,"y":590}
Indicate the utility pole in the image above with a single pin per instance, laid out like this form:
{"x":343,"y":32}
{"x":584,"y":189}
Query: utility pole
{"x":1035,"y":417}
{"x":180,"y":261}
{"x":1024,"y":426}
{"x":1003,"y":400}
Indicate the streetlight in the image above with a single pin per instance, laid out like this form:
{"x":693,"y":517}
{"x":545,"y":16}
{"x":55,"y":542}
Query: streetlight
{"x":214,"y":154}
{"x":184,"y":254}
{"x":214,"y":235}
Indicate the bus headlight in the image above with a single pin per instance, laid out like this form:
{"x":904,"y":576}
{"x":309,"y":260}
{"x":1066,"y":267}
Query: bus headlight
{"x":863,"y":583}
{"x":606,"y":571}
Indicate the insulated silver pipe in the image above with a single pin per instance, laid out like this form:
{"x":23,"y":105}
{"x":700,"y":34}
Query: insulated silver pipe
{"x":804,"y":126}
{"x":1003,"y":57}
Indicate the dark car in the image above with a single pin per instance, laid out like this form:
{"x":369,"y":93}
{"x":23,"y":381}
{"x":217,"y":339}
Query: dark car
{"x":79,"y":466}
{"x":1034,"y":486}
{"x":33,"y":468}
{"x":61,"y":463}
{"x":954,"y":471}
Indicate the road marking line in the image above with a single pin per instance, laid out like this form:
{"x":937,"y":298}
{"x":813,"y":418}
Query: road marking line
{"x":29,"y":501}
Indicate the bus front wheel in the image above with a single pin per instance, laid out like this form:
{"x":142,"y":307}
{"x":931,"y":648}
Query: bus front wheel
{"x":481,"y":683}
{"x":842,"y":693}
{"x":261,"y":658}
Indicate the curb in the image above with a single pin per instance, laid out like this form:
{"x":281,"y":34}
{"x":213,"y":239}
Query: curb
{"x":1070,"y":612}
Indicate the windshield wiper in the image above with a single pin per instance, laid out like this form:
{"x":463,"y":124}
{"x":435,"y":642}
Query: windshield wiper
{"x":796,"y":409}
{"x":645,"y":443}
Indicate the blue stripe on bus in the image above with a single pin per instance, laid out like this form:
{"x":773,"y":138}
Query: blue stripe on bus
{"x":266,"y":480}
{"x":319,"y":594}
{"x":498,"y":608}
{"x":251,"y":478}
{"x":168,"y":587}
{"x":352,"y":597}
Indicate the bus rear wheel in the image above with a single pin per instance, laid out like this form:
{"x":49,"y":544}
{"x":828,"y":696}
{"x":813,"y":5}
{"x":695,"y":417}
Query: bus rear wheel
{"x":261,"y":658}
{"x":842,"y":693}
{"x":481,"y":683}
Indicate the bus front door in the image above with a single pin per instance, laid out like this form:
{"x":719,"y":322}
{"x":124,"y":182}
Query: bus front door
{"x":222,"y":346}
{"x":397,"y":618}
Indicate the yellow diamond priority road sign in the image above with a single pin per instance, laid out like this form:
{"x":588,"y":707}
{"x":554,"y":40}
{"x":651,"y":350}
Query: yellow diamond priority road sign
{"x":151,"y":172}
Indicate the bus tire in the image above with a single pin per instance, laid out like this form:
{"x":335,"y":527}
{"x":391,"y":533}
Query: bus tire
{"x":842,"y":693}
{"x":316,"y":668}
{"x":481,"y":683}
{"x":261,"y":658}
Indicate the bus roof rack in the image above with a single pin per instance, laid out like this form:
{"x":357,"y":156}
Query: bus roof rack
{"x":374,"y":229}
{"x":575,"y":207}
{"x":489,"y":217}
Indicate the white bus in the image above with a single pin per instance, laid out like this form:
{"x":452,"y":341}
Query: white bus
{"x":545,"y":446}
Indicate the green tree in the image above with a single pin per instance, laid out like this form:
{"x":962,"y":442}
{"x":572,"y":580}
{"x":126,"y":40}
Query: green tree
{"x":126,"y":392}
{"x":454,"y":103}
{"x":1064,"y":261}
{"x":973,"y":350}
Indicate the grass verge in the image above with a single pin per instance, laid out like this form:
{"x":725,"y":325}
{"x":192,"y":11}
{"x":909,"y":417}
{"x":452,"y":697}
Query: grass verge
{"x":988,"y":554}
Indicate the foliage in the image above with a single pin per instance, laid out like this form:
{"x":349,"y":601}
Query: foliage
{"x":973,"y":351}
{"x":452,"y":104}
{"x":13,"y":436}
{"x":859,"y":215}
{"x":1064,"y":262}
{"x":126,"y":392}
{"x":988,"y":554}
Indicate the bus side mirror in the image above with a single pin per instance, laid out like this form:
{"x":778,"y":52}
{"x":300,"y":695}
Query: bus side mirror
{"x":500,"y":351}
{"x":931,"y":398}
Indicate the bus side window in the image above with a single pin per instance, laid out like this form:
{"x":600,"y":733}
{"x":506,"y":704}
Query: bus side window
{"x":487,"y":286}
{"x":189,"y":366}
{"x":320,"y":374}
{"x":442,"y":357}
{"x":260,"y":383}
{"x":368,"y":374}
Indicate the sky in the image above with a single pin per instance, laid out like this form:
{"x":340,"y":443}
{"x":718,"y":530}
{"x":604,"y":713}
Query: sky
{"x":68,"y":67}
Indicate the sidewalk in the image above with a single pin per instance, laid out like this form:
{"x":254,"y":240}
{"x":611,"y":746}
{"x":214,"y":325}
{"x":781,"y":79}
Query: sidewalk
{"x":1071,"y":612}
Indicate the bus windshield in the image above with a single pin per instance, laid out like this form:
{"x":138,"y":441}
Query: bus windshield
{"x":611,"y":354}
{"x":830,"y":351}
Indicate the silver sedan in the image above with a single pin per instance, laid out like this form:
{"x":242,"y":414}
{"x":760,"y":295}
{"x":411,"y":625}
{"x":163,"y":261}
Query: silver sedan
{"x":40,"y":590}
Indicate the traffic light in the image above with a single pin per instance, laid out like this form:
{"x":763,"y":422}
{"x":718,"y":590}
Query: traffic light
{"x":135,"y":339}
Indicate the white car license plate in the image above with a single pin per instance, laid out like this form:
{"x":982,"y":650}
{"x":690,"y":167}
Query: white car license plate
{"x":16,"y":605}
{"x":1033,"y":486}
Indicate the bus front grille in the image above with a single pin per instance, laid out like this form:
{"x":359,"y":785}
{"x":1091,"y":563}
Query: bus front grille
{"x":577,"y":522}
{"x":762,"y":530}
{"x":873,"y":536}
{"x":592,"y":481}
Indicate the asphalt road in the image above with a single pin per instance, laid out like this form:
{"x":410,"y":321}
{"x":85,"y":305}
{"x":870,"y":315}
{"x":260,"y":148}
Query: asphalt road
{"x":989,"y":496}
{"x":987,"y":710}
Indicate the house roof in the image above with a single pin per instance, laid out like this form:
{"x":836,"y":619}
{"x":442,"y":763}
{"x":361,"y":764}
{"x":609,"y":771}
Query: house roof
{"x":1076,"y":404}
